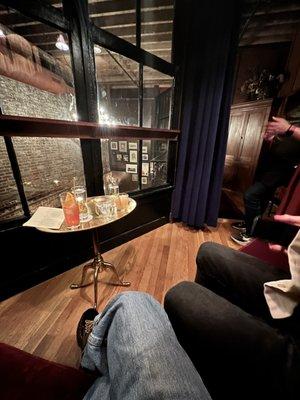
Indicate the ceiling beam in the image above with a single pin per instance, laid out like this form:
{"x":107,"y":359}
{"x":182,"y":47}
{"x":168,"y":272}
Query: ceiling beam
{"x":266,"y":40}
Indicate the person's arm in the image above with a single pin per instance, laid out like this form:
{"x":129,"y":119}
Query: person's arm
{"x":280,"y":126}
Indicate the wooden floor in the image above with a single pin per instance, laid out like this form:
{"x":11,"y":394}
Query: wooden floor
{"x":43,"y":319}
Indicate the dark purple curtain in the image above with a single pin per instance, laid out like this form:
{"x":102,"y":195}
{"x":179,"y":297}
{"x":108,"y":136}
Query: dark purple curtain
{"x":205,"y":38}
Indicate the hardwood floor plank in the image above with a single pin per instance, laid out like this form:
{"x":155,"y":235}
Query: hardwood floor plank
{"x":43,"y":319}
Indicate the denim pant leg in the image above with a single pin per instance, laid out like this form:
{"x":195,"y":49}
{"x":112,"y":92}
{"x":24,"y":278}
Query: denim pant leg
{"x":137,"y":355}
{"x":255,"y":201}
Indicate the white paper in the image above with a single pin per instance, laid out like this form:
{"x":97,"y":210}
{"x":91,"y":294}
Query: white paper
{"x":46,"y":217}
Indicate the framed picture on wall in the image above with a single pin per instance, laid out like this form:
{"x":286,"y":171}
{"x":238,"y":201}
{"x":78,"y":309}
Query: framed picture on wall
{"x":133,"y":156}
{"x":144,"y":180}
{"x":125,"y":157}
{"x":123,"y":146}
{"x":131,"y":168}
{"x":134,"y":177}
{"x":145,"y":169}
{"x":114,"y":145}
{"x":144,"y":149}
{"x":132,"y":145}
{"x":119,"y":157}
{"x":145,"y":157}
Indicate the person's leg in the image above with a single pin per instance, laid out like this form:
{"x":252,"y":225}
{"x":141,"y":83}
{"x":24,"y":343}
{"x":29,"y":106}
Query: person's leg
{"x":134,"y":349}
{"x":255,"y":201}
{"x":237,"y":355}
{"x":236,"y":276}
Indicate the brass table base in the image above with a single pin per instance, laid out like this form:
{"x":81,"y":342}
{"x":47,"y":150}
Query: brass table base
{"x":98,"y":265}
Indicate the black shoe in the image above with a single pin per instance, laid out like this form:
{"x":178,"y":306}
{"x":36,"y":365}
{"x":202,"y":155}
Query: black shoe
{"x":85,"y":326}
{"x":241,"y":238}
{"x":240,"y":226}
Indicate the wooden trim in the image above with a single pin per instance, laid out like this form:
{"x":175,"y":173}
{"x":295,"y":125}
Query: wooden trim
{"x":250,"y":105}
{"x":38,"y":127}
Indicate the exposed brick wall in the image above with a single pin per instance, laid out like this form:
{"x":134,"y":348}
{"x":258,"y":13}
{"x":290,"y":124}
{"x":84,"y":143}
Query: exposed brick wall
{"x":47,"y":165}
{"x":17,"y":98}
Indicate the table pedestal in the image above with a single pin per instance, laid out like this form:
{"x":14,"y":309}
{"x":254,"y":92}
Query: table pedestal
{"x":98,"y":265}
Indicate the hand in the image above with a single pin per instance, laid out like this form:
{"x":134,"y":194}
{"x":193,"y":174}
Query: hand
{"x":278,"y":127}
{"x":288,"y":219}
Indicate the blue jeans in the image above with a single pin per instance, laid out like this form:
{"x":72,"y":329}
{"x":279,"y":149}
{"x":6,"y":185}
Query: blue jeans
{"x":136,"y":353}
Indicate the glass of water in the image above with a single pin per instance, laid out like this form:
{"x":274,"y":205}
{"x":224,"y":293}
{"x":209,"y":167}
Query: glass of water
{"x":105,"y":207}
{"x":81,"y":198}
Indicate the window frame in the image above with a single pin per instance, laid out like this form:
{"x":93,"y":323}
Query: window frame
{"x":73,"y":19}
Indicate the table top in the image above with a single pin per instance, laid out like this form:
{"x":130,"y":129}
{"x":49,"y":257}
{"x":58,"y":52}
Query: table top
{"x":97,"y":221}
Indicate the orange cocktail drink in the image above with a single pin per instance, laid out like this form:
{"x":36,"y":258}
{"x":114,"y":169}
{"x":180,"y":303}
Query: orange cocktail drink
{"x":71,"y":209}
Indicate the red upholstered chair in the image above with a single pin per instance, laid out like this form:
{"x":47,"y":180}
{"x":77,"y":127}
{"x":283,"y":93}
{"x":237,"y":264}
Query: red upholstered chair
{"x":290,"y":204}
{"x":25,"y":376}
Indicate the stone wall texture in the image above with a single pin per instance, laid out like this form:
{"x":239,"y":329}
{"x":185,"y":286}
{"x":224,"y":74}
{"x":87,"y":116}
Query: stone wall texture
{"x":47,"y":165}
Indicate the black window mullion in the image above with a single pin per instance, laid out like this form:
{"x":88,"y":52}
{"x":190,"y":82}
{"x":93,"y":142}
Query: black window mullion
{"x":40,"y":11}
{"x":140,"y":91}
{"x":84,"y":71}
{"x":16,"y":174}
{"x":126,"y":49}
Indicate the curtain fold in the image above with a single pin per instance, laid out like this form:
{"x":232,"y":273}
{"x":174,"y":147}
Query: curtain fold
{"x":206,"y":48}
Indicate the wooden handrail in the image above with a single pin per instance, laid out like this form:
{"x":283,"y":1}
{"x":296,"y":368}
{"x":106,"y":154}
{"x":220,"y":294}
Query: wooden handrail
{"x":38,"y":127}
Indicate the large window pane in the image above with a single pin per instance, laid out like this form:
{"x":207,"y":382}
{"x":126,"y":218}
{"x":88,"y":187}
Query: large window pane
{"x":10,"y":205}
{"x":120,"y":160}
{"x":156,"y":28}
{"x":157,"y":99}
{"x":35,"y":72}
{"x":48,"y":167}
{"x":154,"y":163}
{"x":117,"y":80}
{"x":117,"y":17}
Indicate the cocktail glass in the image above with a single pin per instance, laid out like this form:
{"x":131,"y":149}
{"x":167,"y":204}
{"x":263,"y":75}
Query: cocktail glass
{"x":71,"y":210}
{"x":81,"y":198}
{"x":105,"y":207}
{"x":122,"y":201}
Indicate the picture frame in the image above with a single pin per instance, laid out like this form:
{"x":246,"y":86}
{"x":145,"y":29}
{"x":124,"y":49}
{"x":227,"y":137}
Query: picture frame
{"x":132,"y":145}
{"x":133,"y":156}
{"x":145,"y":149}
{"x":144,"y":180}
{"x":125,"y":157}
{"x":131,"y":168}
{"x":145,"y":157}
{"x":134,"y":177}
{"x":123,"y":146}
{"x":145,"y":169}
{"x":114,"y":145}
{"x":119,"y":157}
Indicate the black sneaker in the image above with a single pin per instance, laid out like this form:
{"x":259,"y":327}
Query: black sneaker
{"x":239,"y":226}
{"x":85,"y":326}
{"x":241,"y":238}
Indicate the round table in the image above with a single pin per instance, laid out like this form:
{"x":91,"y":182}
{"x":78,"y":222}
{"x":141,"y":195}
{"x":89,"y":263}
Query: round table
{"x":98,"y":264}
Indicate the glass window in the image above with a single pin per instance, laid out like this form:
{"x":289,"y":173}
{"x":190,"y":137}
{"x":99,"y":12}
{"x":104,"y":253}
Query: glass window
{"x":154,"y":163}
{"x":117,"y":17}
{"x":10,"y":205}
{"x":118,"y":82}
{"x":48,"y":167}
{"x":156,"y":28}
{"x":120,"y":159}
{"x":36,"y":78}
{"x":157,"y":99}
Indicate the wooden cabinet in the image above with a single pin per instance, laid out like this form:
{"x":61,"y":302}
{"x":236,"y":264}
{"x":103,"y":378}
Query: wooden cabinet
{"x":246,"y":127}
